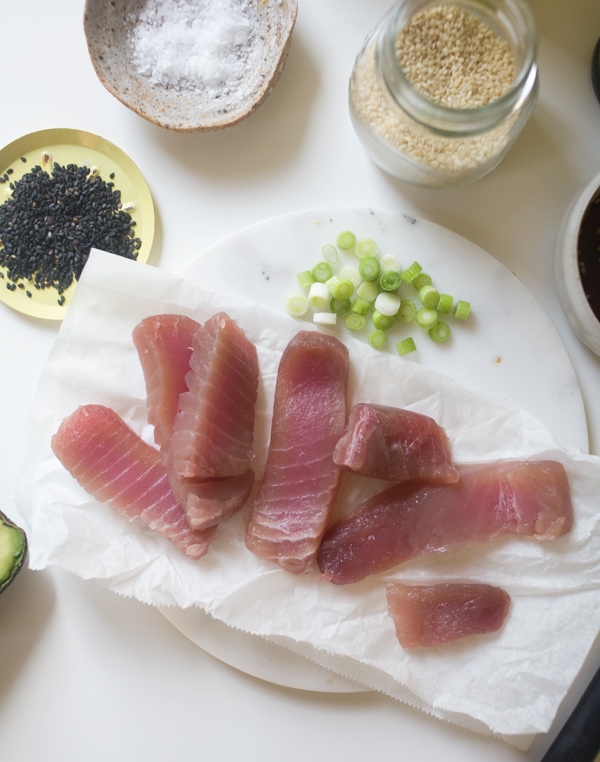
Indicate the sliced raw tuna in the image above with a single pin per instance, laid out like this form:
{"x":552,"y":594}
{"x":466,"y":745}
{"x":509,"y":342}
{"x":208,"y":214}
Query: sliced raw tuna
{"x":209,"y":501}
{"x":529,"y":498}
{"x":431,"y":615}
{"x":164,"y":345}
{"x":213,"y":434}
{"x":392,"y":443}
{"x":114,"y":465}
{"x":295,"y":499}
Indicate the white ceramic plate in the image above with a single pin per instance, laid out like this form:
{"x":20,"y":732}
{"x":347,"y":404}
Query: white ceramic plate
{"x":508,"y":348}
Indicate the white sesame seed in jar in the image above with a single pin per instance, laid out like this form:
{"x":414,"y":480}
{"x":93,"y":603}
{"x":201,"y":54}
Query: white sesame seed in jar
{"x":441,"y":89}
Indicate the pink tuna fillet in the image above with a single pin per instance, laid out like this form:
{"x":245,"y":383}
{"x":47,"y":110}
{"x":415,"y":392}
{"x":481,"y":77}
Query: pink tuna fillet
{"x":210,"y":501}
{"x":431,"y":615}
{"x":296,"y":497}
{"x":116,"y":466}
{"x":408,"y":520}
{"x":391,"y":443}
{"x":213,"y":434}
{"x":164,"y":345}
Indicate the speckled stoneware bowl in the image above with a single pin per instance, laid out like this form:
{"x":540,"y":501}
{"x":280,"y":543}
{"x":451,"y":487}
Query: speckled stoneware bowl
{"x":567,"y":272}
{"x":112,"y":30}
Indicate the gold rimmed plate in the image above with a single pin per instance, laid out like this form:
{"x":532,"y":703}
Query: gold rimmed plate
{"x":69,"y":146}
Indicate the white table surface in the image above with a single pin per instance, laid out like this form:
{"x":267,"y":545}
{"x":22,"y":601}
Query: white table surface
{"x":86,"y":675}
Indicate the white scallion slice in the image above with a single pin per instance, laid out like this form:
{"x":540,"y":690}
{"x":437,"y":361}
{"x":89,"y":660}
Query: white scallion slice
{"x":325,"y":318}
{"x":319,"y":296}
{"x":389,"y":262}
{"x":297,"y":304}
{"x":387,"y":304}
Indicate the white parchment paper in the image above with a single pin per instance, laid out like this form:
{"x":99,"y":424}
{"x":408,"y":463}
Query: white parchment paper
{"x":509,"y":683}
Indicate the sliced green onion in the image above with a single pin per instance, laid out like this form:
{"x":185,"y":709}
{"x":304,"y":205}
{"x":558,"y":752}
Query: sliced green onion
{"x":406,"y":346}
{"x":297,"y":304}
{"x":390,"y":280}
{"x":339,"y":288}
{"x":367,"y":291}
{"x":411,"y":272}
{"x":462,"y":309}
{"x":387,"y":304}
{"x":319,"y":296}
{"x":366,"y":247}
{"x":389,"y":262}
{"x":341,"y":307}
{"x":421,"y":279}
{"x":355,"y":321}
{"x":322,"y":271}
{"x":369,"y":268}
{"x":378,"y":338}
{"x":361,"y":306}
{"x":305,"y":279}
{"x":346,"y":240}
{"x":429,"y":296}
{"x":426,"y":318}
{"x":325,"y":318}
{"x":440,"y":332}
{"x":407,"y":311}
{"x":383,"y":322}
{"x":445,"y":304}
{"x":330,"y":253}
{"x":348,"y":272}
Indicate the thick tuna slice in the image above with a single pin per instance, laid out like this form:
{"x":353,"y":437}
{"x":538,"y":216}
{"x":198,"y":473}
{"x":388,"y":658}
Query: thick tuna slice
{"x":164,"y":345}
{"x":209,"y":501}
{"x":431,"y":615}
{"x":295,"y":499}
{"x":529,"y":498}
{"x":391,"y":443}
{"x":213,"y":435}
{"x":114,"y":465}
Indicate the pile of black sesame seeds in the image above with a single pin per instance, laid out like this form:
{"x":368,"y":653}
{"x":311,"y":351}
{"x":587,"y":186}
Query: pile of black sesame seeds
{"x":53,"y":219}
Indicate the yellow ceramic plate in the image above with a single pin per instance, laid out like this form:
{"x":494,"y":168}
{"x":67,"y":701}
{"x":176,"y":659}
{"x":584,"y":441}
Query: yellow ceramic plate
{"x":67,"y":146}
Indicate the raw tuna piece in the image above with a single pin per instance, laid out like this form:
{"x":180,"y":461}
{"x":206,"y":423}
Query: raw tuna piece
{"x":408,"y":520}
{"x":116,"y":466}
{"x":209,"y":501}
{"x":392,"y":443}
{"x":430,"y":615}
{"x":295,"y":499}
{"x":164,"y":345}
{"x":213,"y":434}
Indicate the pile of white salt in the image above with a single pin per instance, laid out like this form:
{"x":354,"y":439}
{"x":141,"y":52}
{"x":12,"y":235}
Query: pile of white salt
{"x":205,"y":45}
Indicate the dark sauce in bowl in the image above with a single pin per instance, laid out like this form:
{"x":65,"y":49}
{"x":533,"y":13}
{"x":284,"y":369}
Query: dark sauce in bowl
{"x":588,"y":254}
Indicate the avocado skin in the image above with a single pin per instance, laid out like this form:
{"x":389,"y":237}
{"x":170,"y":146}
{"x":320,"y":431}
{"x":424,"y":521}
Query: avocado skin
{"x":12,"y":558}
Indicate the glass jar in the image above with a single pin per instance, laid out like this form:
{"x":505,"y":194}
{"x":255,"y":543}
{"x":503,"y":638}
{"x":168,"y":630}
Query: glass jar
{"x":423,"y":122}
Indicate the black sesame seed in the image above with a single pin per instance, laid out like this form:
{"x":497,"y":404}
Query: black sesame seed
{"x":51,"y":221}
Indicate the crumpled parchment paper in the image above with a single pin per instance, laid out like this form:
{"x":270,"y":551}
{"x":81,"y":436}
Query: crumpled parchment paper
{"x":508,"y":684}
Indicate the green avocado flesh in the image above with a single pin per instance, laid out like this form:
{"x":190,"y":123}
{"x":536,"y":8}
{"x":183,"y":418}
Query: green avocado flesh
{"x":13,"y":550}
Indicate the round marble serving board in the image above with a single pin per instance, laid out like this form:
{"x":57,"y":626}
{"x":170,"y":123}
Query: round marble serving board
{"x":508,"y":348}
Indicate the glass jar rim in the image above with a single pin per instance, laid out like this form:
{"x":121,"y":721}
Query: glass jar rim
{"x":445,"y":119}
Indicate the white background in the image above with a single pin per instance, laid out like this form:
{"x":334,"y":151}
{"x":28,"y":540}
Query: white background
{"x":86,"y":675}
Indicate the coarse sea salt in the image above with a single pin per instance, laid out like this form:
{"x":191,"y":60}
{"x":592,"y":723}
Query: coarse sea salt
{"x":205,"y":45}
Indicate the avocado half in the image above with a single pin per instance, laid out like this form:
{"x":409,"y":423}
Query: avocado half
{"x":13,"y":551}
